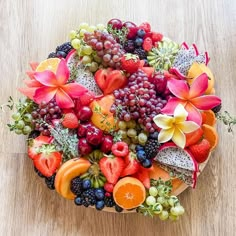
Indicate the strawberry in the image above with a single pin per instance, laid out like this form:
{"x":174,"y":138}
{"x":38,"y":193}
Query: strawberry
{"x":108,"y":187}
{"x":35,"y":144}
{"x":112,"y":167}
{"x":130,"y":62}
{"x":143,"y":176}
{"x":109,"y":80}
{"x":48,"y":160}
{"x":193,"y":137}
{"x":132,"y":165}
{"x":156,"y":37}
{"x":147,"y":44}
{"x":145,"y":26}
{"x":120,"y":149}
{"x":200,"y":150}
{"x":70,"y":120}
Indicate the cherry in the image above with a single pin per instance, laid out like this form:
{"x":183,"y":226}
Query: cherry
{"x":129,"y":24}
{"x":82,"y":129}
{"x":133,"y":29}
{"x":84,"y":113}
{"x":106,"y":143}
{"x":94,"y":135}
{"x":116,"y":23}
{"x":84,"y":147}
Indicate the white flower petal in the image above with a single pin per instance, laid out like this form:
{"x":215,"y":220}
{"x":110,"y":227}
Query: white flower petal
{"x":180,"y":114}
{"x":179,"y":138}
{"x":163,"y":121}
{"x":165,"y":135}
{"x":187,"y":126}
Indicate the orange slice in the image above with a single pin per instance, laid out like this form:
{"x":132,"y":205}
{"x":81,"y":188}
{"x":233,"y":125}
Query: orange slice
{"x":49,"y":64}
{"x":211,"y":135}
{"x":129,"y":193}
{"x":208,"y":117}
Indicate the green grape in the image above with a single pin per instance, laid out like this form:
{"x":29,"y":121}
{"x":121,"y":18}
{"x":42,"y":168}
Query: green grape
{"x":153,"y":191}
{"x":87,"y":50}
{"x":18,"y":131}
{"x":131,"y":133}
{"x":173,"y":218}
{"x":164,"y":215}
{"x":123,"y":133}
{"x":100,"y":26}
{"x":75,"y":43}
{"x":177,"y":210}
{"x":93,"y":67}
{"x":173,"y":200}
{"x":161,"y":200}
{"x":131,"y":124}
{"x":135,"y":140}
{"x":165,"y":203}
{"x":83,"y":25}
{"x":82,"y":32}
{"x":127,"y":140}
{"x":27,"y":129}
{"x":20,"y":124}
{"x":86,"y":60}
{"x":161,"y":192}
{"x":97,"y":58}
{"x":150,"y":200}
{"x":142,"y":138}
{"x":157,"y":208}
{"x":122,"y":125}
{"x":132,"y":147}
{"x":91,"y":28}
{"x":27,"y":118}
{"x":72,"y":34}
{"x":16,"y":116}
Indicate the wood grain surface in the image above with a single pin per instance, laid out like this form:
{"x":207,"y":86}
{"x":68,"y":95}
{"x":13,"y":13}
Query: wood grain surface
{"x":29,"y":30}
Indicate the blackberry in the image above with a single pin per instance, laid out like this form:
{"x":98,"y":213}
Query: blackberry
{"x":151,"y":148}
{"x":65,"y":47}
{"x":89,"y":197}
{"x":76,"y":186}
{"x":109,"y":201}
{"x":217,"y":108}
{"x":50,"y":182}
{"x":38,"y":173}
{"x":129,"y":46}
{"x":118,"y":208}
{"x":141,"y":53}
{"x":34,"y":134}
{"x":52,"y":55}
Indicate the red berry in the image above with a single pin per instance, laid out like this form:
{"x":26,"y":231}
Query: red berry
{"x":120,"y":149}
{"x":156,"y":37}
{"x":145,"y":26}
{"x":147,"y":44}
{"x":108,"y":187}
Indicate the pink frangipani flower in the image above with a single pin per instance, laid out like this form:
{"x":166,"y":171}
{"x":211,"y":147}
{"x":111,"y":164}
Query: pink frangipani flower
{"x":193,"y":98}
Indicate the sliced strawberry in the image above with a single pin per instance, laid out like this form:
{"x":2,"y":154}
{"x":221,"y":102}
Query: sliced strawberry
{"x":112,"y":167}
{"x":193,"y":137}
{"x":101,"y":77}
{"x":149,"y":71}
{"x":132,"y":165}
{"x":108,"y":187}
{"x":48,"y":160}
{"x":36,"y":143}
{"x":143,"y":176}
{"x":147,"y":44}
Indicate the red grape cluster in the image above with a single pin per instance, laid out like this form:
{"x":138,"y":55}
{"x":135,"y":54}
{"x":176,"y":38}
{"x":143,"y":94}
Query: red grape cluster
{"x":139,"y":101}
{"x":106,"y":47}
{"x":45,"y":112}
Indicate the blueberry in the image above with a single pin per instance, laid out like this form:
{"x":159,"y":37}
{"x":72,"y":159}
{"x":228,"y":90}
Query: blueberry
{"x":61,"y":54}
{"x":138,"y":42}
{"x":78,"y":201}
{"x":141,"y":155}
{"x":118,"y":208}
{"x":99,"y":193}
{"x":100,"y":205}
{"x":147,"y":163}
{"x":86,"y":184}
{"x":138,"y":148}
{"x":141,"y":33}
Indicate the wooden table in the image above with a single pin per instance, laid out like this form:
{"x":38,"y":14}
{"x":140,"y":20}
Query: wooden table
{"x":31,"y":29}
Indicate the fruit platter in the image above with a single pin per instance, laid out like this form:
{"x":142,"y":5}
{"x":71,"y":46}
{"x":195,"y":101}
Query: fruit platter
{"x":120,"y":118}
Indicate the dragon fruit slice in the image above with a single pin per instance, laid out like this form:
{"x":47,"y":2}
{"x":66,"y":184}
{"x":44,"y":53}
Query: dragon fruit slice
{"x":170,"y":154}
{"x":81,"y":75}
{"x":185,"y":58}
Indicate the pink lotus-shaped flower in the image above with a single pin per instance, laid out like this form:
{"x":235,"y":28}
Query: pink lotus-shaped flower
{"x":46,"y":85}
{"x":191,"y":98}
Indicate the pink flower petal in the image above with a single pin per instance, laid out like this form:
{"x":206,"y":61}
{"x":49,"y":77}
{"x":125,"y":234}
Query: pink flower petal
{"x":47,"y":78}
{"x":63,"y":99}
{"x":171,"y":105}
{"x":32,"y":83}
{"x":193,"y":113}
{"x":28,"y":92}
{"x":179,"y":88}
{"x":62,"y":73}
{"x":206,"y":102}
{"x":199,"y":86}
{"x":30,"y":74}
{"x":74,"y":90}
{"x":44,"y":94}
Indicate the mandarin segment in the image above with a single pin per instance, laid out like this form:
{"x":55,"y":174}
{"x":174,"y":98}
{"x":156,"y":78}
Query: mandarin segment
{"x":211,"y":135}
{"x":208,"y":117}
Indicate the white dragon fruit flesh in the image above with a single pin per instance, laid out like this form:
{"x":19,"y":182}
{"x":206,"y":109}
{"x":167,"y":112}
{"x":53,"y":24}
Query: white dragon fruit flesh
{"x":185,"y":58}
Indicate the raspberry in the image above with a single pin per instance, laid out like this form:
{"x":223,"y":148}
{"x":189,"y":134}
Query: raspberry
{"x":145,"y":26}
{"x":156,"y":37}
{"x":147,"y":44}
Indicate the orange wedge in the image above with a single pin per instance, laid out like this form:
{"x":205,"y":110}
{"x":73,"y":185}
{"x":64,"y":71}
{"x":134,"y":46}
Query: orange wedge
{"x":49,"y":64}
{"x":129,"y":193}
{"x":211,"y":135}
{"x":208,"y":117}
